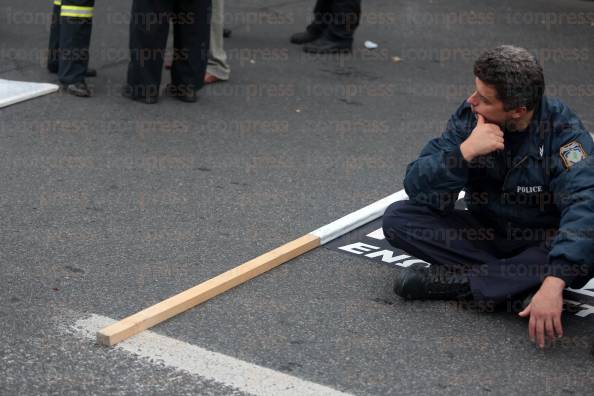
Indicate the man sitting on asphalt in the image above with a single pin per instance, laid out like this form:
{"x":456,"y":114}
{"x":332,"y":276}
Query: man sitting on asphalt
{"x":524,"y":161}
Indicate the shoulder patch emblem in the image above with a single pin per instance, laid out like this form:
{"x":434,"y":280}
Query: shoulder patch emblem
{"x":572,"y":153}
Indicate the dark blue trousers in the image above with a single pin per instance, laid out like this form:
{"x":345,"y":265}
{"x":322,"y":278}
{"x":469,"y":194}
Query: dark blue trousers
{"x":500,"y":265}
{"x":149,"y":29}
{"x":336,"y":19}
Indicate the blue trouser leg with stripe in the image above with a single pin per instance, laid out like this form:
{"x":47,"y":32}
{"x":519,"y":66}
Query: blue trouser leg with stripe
{"x":73,"y":30}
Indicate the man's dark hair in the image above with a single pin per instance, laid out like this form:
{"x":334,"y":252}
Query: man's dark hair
{"x":515,"y":74}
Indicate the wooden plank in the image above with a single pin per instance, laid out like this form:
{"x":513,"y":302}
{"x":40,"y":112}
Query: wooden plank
{"x":185,"y":300}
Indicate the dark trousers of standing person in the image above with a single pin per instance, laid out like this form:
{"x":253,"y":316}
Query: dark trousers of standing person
{"x":501,"y":266}
{"x":149,"y":28}
{"x":336,"y":19}
{"x":70,"y":37}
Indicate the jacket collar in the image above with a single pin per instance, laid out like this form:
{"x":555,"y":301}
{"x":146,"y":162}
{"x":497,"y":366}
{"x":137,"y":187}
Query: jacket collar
{"x":538,"y":130}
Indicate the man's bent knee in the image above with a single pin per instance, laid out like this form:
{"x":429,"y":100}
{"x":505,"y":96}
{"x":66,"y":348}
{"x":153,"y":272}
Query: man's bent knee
{"x":397,"y":218}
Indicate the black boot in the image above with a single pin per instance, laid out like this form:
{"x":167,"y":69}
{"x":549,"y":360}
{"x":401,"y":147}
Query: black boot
{"x":183,"y":93}
{"x":433,"y":283}
{"x":325,"y":46}
{"x":127,"y":92}
{"x":304,"y":37}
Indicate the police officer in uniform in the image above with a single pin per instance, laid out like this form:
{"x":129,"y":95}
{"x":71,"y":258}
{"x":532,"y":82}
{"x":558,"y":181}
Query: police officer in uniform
{"x":70,"y":37}
{"x":149,"y":27}
{"x":525,"y":163}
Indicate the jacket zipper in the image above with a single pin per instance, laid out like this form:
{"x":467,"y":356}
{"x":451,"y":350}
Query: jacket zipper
{"x":511,"y":169}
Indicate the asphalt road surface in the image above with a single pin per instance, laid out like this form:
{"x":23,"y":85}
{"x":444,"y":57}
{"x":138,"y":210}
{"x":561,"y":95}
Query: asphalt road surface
{"x":108,"y":206}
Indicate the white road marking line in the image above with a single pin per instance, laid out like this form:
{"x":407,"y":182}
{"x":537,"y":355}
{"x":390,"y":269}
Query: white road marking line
{"x":246,"y":377}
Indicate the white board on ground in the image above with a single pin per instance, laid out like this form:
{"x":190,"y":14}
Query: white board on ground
{"x":12,"y":92}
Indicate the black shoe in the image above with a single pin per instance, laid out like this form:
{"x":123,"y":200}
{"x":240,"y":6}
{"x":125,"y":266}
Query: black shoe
{"x":79,"y":89}
{"x":226,"y":33}
{"x":183,"y":93}
{"x":433,"y":283}
{"x":127,"y":93}
{"x":325,"y":46}
{"x":89,"y":73}
{"x":304,"y":37}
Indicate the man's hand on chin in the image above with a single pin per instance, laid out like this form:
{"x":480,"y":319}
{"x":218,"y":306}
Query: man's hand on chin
{"x":545,"y":311}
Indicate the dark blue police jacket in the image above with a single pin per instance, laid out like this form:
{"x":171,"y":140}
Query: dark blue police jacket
{"x":547,"y":183}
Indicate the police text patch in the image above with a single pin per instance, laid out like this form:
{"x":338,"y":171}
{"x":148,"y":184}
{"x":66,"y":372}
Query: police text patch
{"x":572,"y":153}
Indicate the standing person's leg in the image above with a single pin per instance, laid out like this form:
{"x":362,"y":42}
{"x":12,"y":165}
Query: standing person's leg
{"x":190,"y":41}
{"x":346,"y":16}
{"x":76,"y":24}
{"x":217,"y":58}
{"x":53,"y":56}
{"x":322,"y":17}
{"x":338,"y":36}
{"x":149,"y":27}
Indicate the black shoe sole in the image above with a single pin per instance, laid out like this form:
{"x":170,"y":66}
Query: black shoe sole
{"x":141,"y":99}
{"x":300,"y":42}
{"x":170,"y":91}
{"x":327,"y":51}
{"x":187,"y":99}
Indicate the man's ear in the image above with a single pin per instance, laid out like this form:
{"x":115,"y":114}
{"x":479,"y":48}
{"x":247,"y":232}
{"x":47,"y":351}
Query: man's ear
{"x":518,"y":112}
